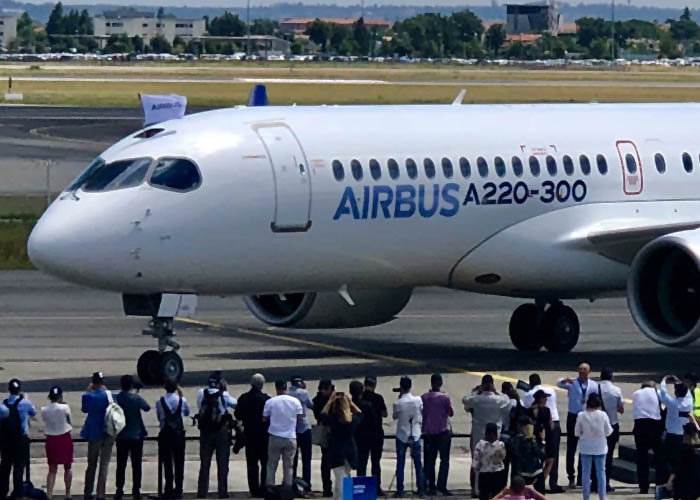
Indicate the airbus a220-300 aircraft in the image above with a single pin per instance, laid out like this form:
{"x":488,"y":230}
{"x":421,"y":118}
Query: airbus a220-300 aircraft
{"x":329,"y":216}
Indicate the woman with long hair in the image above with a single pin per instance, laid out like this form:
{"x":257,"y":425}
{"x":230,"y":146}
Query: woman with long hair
{"x":592,"y":429}
{"x":343,"y":416}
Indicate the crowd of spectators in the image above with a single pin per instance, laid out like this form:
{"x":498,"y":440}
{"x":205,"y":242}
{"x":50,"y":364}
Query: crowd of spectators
{"x":515,"y":434}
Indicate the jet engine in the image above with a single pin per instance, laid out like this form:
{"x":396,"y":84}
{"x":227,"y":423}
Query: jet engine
{"x":663,"y":289}
{"x":329,"y":309}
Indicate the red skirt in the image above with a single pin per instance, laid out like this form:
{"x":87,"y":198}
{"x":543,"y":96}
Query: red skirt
{"x":59,"y":449}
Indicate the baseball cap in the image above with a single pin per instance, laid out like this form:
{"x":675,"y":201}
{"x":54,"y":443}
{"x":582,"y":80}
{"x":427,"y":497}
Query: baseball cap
{"x":97,"y":378}
{"x":540,"y":394}
{"x":55,"y":392}
{"x":14,"y":384}
{"x":296,"y":381}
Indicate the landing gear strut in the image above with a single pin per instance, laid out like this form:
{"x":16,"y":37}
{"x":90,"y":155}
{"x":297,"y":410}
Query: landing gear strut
{"x":533,"y":326}
{"x":155,"y":367}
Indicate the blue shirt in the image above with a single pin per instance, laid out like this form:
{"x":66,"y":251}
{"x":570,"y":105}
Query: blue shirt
{"x":4,"y":412}
{"x":172,"y":400}
{"x":133,"y":405}
{"x":578,"y":393}
{"x":303,"y":396}
{"x":95,"y":405}
{"x":226,"y":400}
{"x":26,"y":409}
{"x":675,"y":406}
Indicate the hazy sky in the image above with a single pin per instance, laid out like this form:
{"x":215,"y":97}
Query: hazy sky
{"x":240,"y":3}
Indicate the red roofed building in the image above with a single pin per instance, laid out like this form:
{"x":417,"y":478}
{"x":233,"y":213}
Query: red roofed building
{"x":298,"y":25}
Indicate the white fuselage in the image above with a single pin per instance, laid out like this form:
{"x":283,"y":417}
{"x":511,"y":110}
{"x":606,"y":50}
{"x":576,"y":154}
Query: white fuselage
{"x":270,"y":216}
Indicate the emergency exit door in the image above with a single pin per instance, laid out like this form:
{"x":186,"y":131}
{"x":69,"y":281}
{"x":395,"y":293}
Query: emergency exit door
{"x":631,"y":163}
{"x":291,"y":178}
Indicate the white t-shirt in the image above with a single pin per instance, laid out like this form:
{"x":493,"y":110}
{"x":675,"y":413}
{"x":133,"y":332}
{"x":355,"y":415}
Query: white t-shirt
{"x":56,"y":417}
{"x":592,"y":431}
{"x":645,"y":403}
{"x":282,"y":412}
{"x":612,"y":400}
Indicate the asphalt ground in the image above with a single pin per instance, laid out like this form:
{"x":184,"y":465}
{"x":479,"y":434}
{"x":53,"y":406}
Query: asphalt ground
{"x":57,"y":333}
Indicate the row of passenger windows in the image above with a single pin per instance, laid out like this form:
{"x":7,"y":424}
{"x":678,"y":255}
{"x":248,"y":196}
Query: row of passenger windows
{"x":499,"y":165}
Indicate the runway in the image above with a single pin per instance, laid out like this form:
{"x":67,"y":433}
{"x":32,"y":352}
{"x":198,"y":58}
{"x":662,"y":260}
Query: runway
{"x":59,"y":333}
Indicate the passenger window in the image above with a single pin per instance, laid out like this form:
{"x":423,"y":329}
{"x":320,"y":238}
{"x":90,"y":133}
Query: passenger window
{"x":338,"y":171}
{"x":177,"y":174}
{"x":411,"y":168}
{"x":356,"y":168}
{"x":585,"y":164}
{"x":568,"y":165}
{"x":500,"y":166}
{"x":551,"y":165}
{"x":534,"y":166}
{"x":602,"y":164}
{"x":687,"y":162}
{"x":482,"y":166}
{"x":117,"y":175}
{"x":447,"y":169}
{"x":631,"y":163}
{"x":465,"y":167}
{"x":429,"y":168}
{"x":660,"y":163}
{"x":393,"y":168}
{"x":375,"y":170}
{"x":517,"y":166}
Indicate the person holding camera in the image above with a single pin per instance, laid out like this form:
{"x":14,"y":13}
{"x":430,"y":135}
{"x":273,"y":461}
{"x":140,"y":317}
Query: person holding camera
{"x":298,"y":391}
{"x":437,"y":411}
{"x":130,"y":439}
{"x":249,"y":411}
{"x":59,"y":443}
{"x":325,"y":390}
{"x":679,"y":409}
{"x":94,"y":403}
{"x":215,"y":424}
{"x":343,"y":416}
{"x":171,"y":408}
{"x":408,"y":414}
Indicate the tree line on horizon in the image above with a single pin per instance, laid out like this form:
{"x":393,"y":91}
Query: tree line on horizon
{"x":461,"y":34}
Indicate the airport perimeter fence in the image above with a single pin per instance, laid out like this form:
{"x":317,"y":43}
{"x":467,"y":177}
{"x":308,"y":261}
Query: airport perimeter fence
{"x":154,"y":440}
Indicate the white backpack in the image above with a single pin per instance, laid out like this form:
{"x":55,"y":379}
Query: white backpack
{"x":115,"y":420}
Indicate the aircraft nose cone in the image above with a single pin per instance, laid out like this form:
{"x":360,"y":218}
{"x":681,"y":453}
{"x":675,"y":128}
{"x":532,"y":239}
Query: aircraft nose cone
{"x":43,"y":247}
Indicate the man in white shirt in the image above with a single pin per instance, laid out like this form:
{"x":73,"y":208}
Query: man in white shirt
{"x":613,"y":405}
{"x":304,"y":444}
{"x":648,"y":428}
{"x":486,"y":406}
{"x":679,"y":408}
{"x":408,"y":414}
{"x":579,"y":390}
{"x":535,"y":383}
{"x":283,"y":412}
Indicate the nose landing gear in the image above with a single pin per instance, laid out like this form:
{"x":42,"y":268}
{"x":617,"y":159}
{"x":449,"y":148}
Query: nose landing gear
{"x":533,"y":326}
{"x":156,"y":366}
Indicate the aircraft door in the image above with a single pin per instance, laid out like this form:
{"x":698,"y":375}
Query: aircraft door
{"x":631,"y":163}
{"x":291,"y":176}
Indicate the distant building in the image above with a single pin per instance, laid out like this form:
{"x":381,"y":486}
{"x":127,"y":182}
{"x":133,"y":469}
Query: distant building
{"x":8,"y":26}
{"x":531,"y":18}
{"x":146,"y":25}
{"x":298,"y":25}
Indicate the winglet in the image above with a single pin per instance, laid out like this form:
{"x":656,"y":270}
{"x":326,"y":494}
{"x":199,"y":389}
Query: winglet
{"x":258,"y":96}
{"x":460,"y":98}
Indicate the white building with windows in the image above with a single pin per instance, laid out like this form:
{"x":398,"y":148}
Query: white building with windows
{"x":146,"y":25}
{"x":8,"y":26}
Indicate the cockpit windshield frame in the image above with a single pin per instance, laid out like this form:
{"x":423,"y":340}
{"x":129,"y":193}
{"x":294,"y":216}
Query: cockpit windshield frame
{"x":146,"y":175}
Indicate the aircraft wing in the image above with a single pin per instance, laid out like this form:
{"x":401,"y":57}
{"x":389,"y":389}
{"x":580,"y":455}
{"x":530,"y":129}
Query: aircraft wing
{"x":622,"y":243}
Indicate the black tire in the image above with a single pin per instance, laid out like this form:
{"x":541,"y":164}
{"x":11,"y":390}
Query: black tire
{"x":524,"y":329}
{"x":172,"y":367}
{"x":561,"y":329}
{"x":149,"y":367}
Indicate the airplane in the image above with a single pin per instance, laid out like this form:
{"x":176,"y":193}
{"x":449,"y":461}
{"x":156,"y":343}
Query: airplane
{"x":330,"y":216}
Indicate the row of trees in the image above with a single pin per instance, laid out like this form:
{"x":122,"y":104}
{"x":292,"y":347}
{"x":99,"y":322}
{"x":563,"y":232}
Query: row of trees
{"x":461,"y":34}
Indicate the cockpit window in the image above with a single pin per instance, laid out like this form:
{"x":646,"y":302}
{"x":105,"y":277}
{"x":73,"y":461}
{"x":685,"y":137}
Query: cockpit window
{"x":176,"y":174}
{"x":85,"y":174}
{"x":117,"y":175}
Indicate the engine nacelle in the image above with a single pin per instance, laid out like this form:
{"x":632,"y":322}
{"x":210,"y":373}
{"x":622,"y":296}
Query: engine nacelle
{"x":329,"y":309}
{"x":663,"y":289}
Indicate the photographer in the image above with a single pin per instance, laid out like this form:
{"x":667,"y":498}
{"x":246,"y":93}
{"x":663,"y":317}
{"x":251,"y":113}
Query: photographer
{"x":215,"y":424}
{"x":15,"y":439}
{"x":130,"y":439}
{"x":679,"y":409}
{"x":171,"y":439}
{"x":408,"y":414}
{"x":298,"y":391}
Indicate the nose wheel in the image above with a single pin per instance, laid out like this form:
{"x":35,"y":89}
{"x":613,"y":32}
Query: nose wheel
{"x":154,"y":367}
{"x":557,"y":327}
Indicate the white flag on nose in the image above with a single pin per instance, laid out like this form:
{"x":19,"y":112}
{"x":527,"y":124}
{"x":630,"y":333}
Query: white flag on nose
{"x":161,"y":108}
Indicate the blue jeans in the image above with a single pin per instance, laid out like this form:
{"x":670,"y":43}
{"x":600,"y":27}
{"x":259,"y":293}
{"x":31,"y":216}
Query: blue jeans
{"x":401,"y":463}
{"x":586,"y":461}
